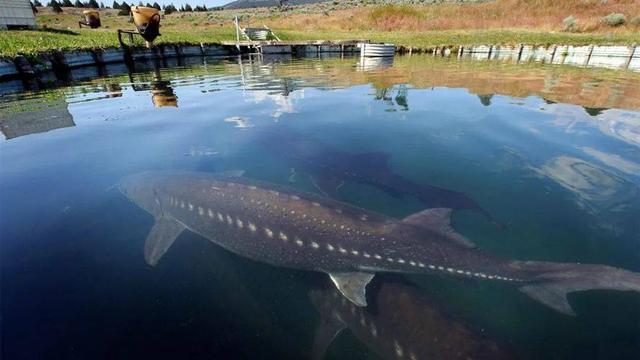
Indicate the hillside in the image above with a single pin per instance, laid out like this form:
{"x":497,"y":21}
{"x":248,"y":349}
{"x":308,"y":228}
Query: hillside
{"x":248,"y":4}
{"x":342,"y":4}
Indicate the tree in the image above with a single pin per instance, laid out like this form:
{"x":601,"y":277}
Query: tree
{"x":101,"y":5}
{"x":125,"y":9}
{"x":67,"y":3}
{"x":156,"y":5}
{"x":78,"y":4}
{"x":187,"y":7}
{"x":37,"y":3}
{"x":33,"y":7}
{"x":93,"y":4}
{"x":140,"y":3}
{"x":115,"y":5}
{"x":168,"y":9}
{"x":55,"y":7}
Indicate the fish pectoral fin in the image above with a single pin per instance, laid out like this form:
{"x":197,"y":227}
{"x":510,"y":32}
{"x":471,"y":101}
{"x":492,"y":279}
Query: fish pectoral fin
{"x":439,"y":221}
{"x":552,"y":295}
{"x":353,"y":285}
{"x":327,"y":331}
{"x":162,"y":235}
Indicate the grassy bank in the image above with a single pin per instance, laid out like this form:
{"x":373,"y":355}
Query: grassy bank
{"x":31,"y":42}
{"x":536,"y":22}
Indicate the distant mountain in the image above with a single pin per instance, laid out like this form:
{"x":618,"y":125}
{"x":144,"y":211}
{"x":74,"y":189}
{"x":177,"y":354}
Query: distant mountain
{"x":243,"y":4}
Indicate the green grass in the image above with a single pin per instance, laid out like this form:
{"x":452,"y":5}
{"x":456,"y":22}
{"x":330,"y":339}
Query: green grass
{"x":30,"y":42}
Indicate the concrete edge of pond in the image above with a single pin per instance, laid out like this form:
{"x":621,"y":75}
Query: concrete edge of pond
{"x":58,"y":63}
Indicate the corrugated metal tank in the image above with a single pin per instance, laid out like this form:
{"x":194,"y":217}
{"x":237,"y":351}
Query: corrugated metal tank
{"x":16,"y":13}
{"x":377,"y":50}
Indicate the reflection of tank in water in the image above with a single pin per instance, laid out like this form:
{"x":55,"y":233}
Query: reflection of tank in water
{"x":161,"y":91}
{"x":113,"y":90}
{"x":374,"y":63}
{"x":39,"y":118}
{"x":162,"y":94}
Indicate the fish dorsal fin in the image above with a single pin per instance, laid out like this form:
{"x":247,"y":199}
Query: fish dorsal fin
{"x":352,"y":285}
{"x":162,"y":235}
{"x":327,"y":331}
{"x":439,"y":221}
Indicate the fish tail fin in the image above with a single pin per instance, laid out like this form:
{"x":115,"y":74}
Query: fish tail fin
{"x":551,"y":282}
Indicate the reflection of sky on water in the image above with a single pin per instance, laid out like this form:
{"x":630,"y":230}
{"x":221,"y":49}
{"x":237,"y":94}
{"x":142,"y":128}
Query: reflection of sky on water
{"x":584,"y":157}
{"x":283,"y":104}
{"x":563,"y":178}
{"x":622,"y":124}
{"x":594,"y":187}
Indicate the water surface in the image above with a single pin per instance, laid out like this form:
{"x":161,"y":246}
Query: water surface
{"x":551,"y":153}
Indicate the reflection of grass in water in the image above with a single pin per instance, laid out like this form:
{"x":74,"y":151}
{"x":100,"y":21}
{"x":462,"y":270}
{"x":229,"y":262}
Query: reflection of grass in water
{"x":566,"y":84}
{"x":32,"y":102}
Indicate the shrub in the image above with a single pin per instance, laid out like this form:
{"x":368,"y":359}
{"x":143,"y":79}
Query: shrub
{"x":399,"y":11}
{"x":614,"y":19}
{"x":570,"y":23}
{"x":635,"y":21}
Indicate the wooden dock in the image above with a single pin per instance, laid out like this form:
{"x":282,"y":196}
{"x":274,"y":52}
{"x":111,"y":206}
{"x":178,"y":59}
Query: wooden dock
{"x":303,"y":48}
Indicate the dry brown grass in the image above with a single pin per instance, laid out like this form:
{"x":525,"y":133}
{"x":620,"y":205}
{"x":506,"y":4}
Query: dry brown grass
{"x":499,"y":14}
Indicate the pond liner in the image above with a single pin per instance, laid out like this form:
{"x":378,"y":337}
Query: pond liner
{"x":60,"y":62}
{"x":8,"y":70}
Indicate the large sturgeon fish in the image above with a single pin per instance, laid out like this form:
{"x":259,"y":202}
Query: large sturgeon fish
{"x":287,"y":228}
{"x":404,"y":325}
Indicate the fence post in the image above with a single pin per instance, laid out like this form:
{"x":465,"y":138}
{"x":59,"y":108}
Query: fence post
{"x":553,"y":54}
{"x":520,"y":52}
{"x":633,"y":52}
{"x":586,"y":63}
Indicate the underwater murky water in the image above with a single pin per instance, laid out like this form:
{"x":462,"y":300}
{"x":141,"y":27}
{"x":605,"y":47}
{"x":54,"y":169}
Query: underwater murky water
{"x":537,"y":162}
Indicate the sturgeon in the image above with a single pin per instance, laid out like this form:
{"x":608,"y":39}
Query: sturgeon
{"x":287,"y":228}
{"x":404,"y":325}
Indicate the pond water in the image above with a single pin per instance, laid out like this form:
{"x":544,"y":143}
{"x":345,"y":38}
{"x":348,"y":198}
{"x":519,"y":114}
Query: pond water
{"x":537,"y":162}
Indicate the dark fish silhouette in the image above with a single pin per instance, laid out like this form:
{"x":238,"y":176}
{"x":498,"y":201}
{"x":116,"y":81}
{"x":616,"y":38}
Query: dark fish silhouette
{"x":299,"y":230}
{"x":403,"y":325}
{"x":330,"y":168}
